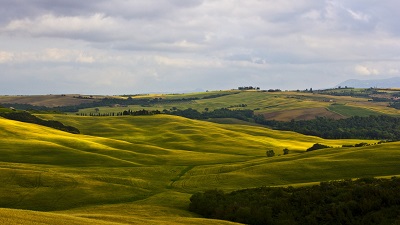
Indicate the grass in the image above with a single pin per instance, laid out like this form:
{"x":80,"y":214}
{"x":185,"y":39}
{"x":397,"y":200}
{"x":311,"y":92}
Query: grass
{"x":349,"y":111}
{"x":143,"y":170}
{"x":276,"y":105}
{"x":296,"y":169}
{"x":98,"y":216}
{"x":46,"y":100}
{"x":302,"y":114}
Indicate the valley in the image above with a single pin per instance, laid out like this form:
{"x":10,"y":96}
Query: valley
{"x":144,"y":169}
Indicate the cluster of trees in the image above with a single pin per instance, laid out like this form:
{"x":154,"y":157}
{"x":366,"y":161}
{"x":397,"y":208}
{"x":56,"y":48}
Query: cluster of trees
{"x":142,"y":112}
{"x":29,"y":118}
{"x":238,"y":106}
{"x":317,"y":146}
{"x":271,"y":153}
{"x":82,"y":97}
{"x":371,"y":127}
{"x":248,"y":88}
{"x":274,"y":90}
{"x":361,"y":144}
{"x":128,"y":112}
{"x":363,"y":201}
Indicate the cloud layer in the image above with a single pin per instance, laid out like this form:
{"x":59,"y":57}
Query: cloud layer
{"x":116,"y":47}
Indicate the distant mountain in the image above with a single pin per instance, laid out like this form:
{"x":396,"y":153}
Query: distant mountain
{"x":393,"y":82}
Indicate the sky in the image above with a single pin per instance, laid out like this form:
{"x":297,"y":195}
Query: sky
{"x":146,"y":46}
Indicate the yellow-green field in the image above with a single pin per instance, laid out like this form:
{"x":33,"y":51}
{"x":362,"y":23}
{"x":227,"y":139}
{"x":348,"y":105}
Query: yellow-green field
{"x":143,"y":170}
{"x":47,"y":100}
{"x":276,"y":105}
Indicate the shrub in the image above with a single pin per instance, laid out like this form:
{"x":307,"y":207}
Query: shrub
{"x":317,"y":146}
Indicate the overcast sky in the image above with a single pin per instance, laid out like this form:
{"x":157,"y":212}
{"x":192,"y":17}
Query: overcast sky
{"x":141,"y":46}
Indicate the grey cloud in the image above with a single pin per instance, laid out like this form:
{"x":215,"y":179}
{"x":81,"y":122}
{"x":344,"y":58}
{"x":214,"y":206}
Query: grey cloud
{"x":283,"y":43}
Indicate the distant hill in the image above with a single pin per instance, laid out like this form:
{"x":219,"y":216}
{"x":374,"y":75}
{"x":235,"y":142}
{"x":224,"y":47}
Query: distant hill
{"x":393,"y":82}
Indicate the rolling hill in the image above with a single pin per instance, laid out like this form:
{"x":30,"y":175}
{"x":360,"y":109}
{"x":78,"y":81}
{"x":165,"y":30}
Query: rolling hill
{"x":142,"y":170}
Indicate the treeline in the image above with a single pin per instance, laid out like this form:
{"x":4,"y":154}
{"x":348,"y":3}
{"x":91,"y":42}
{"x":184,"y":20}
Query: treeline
{"x":29,"y":118}
{"x":248,"y":88}
{"x":356,"y":127}
{"x":363,"y":201}
{"x":245,"y":115}
{"x":142,"y":112}
{"x":111,"y":102}
{"x":128,"y":112}
{"x":101,"y":103}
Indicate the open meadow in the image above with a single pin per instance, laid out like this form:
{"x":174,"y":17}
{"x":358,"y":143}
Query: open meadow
{"x":143,"y":169}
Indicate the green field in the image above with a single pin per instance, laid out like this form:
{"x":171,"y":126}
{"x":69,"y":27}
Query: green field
{"x":348,"y":111}
{"x":277,"y":105}
{"x":143,"y":170}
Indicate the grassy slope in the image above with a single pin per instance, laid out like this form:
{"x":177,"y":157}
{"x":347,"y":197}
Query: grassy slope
{"x":348,"y":111}
{"x":179,"y":133}
{"x":27,"y":217}
{"x":46,"y":100}
{"x":287,"y":103}
{"x":143,"y":169}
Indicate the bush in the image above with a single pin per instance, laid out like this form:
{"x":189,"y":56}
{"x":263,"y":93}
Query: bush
{"x":270,"y":153}
{"x":285,"y":151}
{"x":317,"y":146}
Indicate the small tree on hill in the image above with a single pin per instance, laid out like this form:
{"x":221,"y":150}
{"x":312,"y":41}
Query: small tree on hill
{"x":270,"y":153}
{"x":285,"y":151}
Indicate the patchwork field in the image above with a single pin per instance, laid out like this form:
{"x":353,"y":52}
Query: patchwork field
{"x":46,"y":100}
{"x":303,"y":114}
{"x":143,"y":170}
{"x":283,"y":106}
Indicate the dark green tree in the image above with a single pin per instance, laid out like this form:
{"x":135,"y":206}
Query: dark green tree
{"x":285,"y":151}
{"x":270,"y":153}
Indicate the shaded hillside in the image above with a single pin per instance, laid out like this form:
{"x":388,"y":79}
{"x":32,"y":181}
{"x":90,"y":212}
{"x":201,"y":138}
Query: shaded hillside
{"x":46,"y":100}
{"x":29,"y":118}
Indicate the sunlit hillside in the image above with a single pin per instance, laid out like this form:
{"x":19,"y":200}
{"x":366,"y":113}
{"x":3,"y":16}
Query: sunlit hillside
{"x":144,"y":169}
{"x":276,"y":105}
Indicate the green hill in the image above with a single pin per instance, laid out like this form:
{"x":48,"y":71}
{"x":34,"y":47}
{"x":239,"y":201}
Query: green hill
{"x":282,"y":106}
{"x":144,"y":169}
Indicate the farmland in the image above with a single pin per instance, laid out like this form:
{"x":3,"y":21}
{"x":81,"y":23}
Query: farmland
{"x":282,"y":106}
{"x":143,"y":169}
